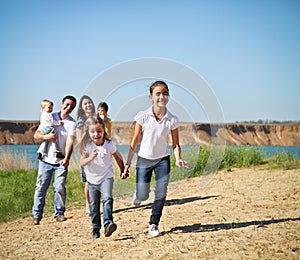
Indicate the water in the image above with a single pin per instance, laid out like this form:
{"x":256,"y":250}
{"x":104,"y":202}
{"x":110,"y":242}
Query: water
{"x":30,"y":150}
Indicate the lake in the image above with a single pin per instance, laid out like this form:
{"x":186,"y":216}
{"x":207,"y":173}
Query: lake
{"x":30,"y":150}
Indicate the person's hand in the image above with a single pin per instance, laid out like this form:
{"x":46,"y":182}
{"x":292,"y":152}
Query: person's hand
{"x":64,"y":162}
{"x":124,"y":175}
{"x":125,"y":172}
{"x":94,"y":153}
{"x":51,"y":136}
{"x":181,"y":163}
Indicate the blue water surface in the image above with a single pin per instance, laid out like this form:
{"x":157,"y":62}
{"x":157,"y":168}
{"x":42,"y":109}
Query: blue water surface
{"x":30,"y":150}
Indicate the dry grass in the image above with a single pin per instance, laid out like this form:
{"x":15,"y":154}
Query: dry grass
{"x":14,"y":161}
{"x":20,"y":161}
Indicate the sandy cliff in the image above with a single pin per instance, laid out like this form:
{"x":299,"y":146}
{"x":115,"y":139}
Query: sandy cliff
{"x":249,"y":134}
{"x":12,"y":132}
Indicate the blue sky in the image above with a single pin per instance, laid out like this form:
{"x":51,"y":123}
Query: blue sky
{"x":248,"y":52}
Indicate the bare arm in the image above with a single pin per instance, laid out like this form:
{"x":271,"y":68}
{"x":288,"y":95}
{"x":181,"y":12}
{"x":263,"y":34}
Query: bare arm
{"x":85,"y":158}
{"x":177,"y":149}
{"x":68,"y":150}
{"x":38,"y":137}
{"x":119,"y":160}
{"x":78,"y":134}
{"x":134,"y":143}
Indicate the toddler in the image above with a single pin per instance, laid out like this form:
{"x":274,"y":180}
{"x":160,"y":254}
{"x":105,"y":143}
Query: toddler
{"x":47,"y":124}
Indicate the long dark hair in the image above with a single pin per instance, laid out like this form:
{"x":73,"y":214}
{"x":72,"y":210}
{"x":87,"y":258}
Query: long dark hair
{"x":80,"y":112}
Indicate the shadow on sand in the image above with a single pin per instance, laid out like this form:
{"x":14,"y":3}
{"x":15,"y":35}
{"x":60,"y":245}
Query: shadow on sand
{"x":208,"y":227}
{"x":169,"y":202}
{"x":226,"y":226}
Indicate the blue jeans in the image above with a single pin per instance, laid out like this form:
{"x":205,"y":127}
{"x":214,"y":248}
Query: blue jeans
{"x":103,"y":190}
{"x":42,"y":184}
{"x":144,"y":169}
{"x":44,"y":145}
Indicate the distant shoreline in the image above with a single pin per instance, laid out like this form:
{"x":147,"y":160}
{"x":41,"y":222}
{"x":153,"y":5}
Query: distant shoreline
{"x":21,"y":132}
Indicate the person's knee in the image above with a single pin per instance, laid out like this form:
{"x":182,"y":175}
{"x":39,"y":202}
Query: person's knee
{"x":107,"y":199}
{"x":142,"y":194}
{"x":142,"y":191}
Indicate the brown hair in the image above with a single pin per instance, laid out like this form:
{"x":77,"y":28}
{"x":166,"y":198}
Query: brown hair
{"x":103,"y":105}
{"x":80,"y":112}
{"x":85,"y":138}
{"x":157,"y":83}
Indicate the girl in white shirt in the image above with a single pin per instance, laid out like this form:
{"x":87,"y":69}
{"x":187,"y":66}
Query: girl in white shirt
{"x":152,"y":129}
{"x":96,"y":158}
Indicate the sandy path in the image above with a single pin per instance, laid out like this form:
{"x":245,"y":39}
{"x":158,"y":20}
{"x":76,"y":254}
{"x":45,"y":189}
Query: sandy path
{"x":244,"y":214}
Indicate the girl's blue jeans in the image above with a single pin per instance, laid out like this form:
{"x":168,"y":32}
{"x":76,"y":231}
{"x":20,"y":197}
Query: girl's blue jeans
{"x":44,"y":176}
{"x":103,"y":190}
{"x":144,"y":170}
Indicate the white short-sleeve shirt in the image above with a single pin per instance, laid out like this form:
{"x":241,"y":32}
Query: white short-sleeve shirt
{"x":62,"y":132}
{"x":46,"y":119}
{"x":100,"y":168}
{"x":154,"y":143}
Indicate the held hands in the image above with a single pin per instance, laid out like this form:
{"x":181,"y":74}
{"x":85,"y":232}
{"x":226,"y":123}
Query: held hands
{"x":181,"y":163}
{"x":125,"y":173}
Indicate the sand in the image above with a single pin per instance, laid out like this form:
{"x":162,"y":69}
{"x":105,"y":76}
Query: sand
{"x":243,"y":214}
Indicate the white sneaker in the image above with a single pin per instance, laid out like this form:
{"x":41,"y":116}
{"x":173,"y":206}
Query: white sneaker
{"x":135,"y":201}
{"x":153,"y":230}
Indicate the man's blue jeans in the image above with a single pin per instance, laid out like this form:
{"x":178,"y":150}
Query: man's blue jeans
{"x":103,"y":190}
{"x":144,"y":169}
{"x":42,"y":184}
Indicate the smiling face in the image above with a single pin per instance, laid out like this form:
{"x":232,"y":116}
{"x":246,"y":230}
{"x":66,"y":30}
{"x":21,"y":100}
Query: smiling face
{"x":101,"y":111}
{"x":160,"y":96}
{"x":87,"y":106}
{"x":66,"y":108}
{"x":96,"y":133}
{"x":47,"y":108}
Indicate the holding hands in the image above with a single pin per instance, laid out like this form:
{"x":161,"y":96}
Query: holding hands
{"x":125,"y":173}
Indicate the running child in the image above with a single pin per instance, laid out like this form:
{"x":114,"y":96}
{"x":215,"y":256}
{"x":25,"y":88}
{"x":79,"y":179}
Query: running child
{"x":153,"y":127}
{"x":97,"y":152}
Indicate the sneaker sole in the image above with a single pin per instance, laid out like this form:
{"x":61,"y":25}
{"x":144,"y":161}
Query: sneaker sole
{"x":155,"y":235}
{"x":61,"y":219}
{"x":35,"y":222}
{"x":112,"y":227}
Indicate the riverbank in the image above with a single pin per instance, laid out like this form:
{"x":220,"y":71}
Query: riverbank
{"x":243,"y":214}
{"x":21,"y":132}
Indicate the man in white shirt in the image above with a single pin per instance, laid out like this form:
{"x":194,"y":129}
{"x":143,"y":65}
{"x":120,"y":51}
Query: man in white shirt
{"x":64,"y":136}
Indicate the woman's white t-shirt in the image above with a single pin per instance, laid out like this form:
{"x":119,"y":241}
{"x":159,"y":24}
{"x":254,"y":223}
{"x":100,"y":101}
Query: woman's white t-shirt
{"x":100,"y":168}
{"x":154,"y":143}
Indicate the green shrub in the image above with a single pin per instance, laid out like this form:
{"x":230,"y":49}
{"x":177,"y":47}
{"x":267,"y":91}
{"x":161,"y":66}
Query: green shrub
{"x":210,"y":158}
{"x":284,"y":160}
{"x":16,"y":193}
{"x":17,"y":190}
